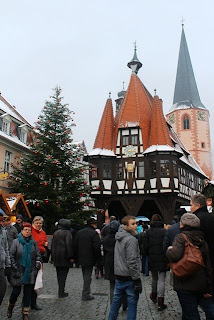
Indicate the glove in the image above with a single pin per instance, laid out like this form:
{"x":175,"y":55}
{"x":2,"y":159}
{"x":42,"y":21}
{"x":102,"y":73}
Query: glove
{"x":137,"y":286}
{"x":38,"y":265}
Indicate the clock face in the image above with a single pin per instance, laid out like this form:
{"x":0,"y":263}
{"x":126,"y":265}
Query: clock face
{"x":201,"y":116}
{"x":129,"y":151}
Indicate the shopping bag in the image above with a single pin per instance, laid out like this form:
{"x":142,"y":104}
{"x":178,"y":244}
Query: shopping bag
{"x":39,"y":283}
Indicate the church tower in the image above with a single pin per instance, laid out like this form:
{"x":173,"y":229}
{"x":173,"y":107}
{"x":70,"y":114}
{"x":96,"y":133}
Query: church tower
{"x":188,"y":116}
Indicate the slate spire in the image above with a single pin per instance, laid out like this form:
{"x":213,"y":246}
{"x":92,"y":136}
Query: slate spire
{"x":186,"y":92}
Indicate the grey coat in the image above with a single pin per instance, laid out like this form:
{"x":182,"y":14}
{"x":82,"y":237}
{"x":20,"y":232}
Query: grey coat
{"x":12,"y":234}
{"x":16,"y":250}
{"x":127,"y":261}
{"x":4,"y":250}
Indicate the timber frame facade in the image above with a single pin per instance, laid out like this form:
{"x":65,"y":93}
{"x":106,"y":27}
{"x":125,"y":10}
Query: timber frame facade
{"x":139,"y":166}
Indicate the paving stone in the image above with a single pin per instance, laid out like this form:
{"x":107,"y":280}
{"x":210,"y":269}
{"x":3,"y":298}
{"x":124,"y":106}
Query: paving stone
{"x":73,"y":308}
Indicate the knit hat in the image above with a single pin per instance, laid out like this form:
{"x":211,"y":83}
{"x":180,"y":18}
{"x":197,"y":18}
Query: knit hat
{"x":26,"y":225}
{"x":19,"y":216}
{"x":114,"y":226}
{"x":191,"y":220}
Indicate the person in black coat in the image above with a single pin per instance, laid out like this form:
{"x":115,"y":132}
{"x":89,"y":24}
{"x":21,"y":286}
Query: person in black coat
{"x":62,"y":253}
{"x":199,"y":208}
{"x":144,"y":257}
{"x":87,"y":251}
{"x":153,"y":243}
{"x":108,"y":248}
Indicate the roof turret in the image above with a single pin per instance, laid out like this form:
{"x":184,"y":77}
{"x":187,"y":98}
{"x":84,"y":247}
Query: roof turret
{"x":104,"y":138}
{"x":135,"y":64}
{"x":159,"y":133}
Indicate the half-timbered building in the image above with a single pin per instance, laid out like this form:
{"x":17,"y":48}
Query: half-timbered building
{"x":139,"y":166}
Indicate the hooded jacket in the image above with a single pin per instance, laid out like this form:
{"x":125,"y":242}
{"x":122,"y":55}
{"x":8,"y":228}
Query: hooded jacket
{"x":127,"y":261}
{"x":200,"y":281}
{"x":62,"y":244}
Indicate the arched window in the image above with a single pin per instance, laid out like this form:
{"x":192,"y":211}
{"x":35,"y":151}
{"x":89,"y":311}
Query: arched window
{"x":186,"y":122}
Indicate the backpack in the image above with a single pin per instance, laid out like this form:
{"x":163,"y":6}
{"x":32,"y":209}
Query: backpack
{"x":191,"y":262}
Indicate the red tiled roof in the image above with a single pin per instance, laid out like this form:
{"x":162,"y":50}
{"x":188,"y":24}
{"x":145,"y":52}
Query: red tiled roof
{"x":104,"y":138}
{"x":136,"y":108}
{"x":159,"y":133}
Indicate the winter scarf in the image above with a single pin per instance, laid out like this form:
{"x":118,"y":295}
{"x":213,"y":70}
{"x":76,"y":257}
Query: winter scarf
{"x":26,"y":260}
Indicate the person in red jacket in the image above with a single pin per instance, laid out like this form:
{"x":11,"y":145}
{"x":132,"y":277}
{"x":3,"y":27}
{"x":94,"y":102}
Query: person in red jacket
{"x":40,"y":237}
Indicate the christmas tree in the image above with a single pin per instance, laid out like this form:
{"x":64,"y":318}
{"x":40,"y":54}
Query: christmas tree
{"x":53,"y":177}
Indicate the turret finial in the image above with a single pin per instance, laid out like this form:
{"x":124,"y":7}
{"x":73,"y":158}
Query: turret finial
{"x":182,"y":22}
{"x":135,"y":64}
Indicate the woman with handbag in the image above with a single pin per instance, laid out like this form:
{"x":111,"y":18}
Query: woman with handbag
{"x":40,"y":237}
{"x":195,"y":287}
{"x":26,"y":261}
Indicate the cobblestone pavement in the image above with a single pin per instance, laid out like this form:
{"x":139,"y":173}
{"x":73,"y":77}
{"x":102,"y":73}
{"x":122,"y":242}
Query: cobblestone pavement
{"x":73,"y":308}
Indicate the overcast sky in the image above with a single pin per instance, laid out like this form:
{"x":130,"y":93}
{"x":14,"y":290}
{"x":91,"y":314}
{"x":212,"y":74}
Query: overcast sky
{"x":84,"y":46}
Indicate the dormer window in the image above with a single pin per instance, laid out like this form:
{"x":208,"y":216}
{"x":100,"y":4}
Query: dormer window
{"x":23,"y":130}
{"x":6,"y":126}
{"x":130,"y":137}
{"x":134,"y":140}
{"x":125,"y":140}
{"x":23,"y":136}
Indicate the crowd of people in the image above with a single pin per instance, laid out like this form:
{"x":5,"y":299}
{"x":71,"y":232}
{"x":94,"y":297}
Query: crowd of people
{"x":120,"y":252}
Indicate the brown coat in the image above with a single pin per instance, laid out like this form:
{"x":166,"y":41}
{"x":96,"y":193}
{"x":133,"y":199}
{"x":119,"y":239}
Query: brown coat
{"x":200,"y":281}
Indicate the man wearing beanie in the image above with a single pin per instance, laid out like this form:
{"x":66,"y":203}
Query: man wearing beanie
{"x":196,"y":289}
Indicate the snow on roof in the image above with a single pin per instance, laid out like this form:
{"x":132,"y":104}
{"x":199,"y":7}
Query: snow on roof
{"x":154,"y":148}
{"x":9,"y":111}
{"x":102,"y":152}
{"x":184,"y":105}
{"x":14,"y":139}
{"x":188,"y":159}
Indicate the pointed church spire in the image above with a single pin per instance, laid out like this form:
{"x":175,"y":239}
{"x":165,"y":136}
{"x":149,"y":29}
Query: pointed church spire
{"x":135,"y":64}
{"x":186,"y":91}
